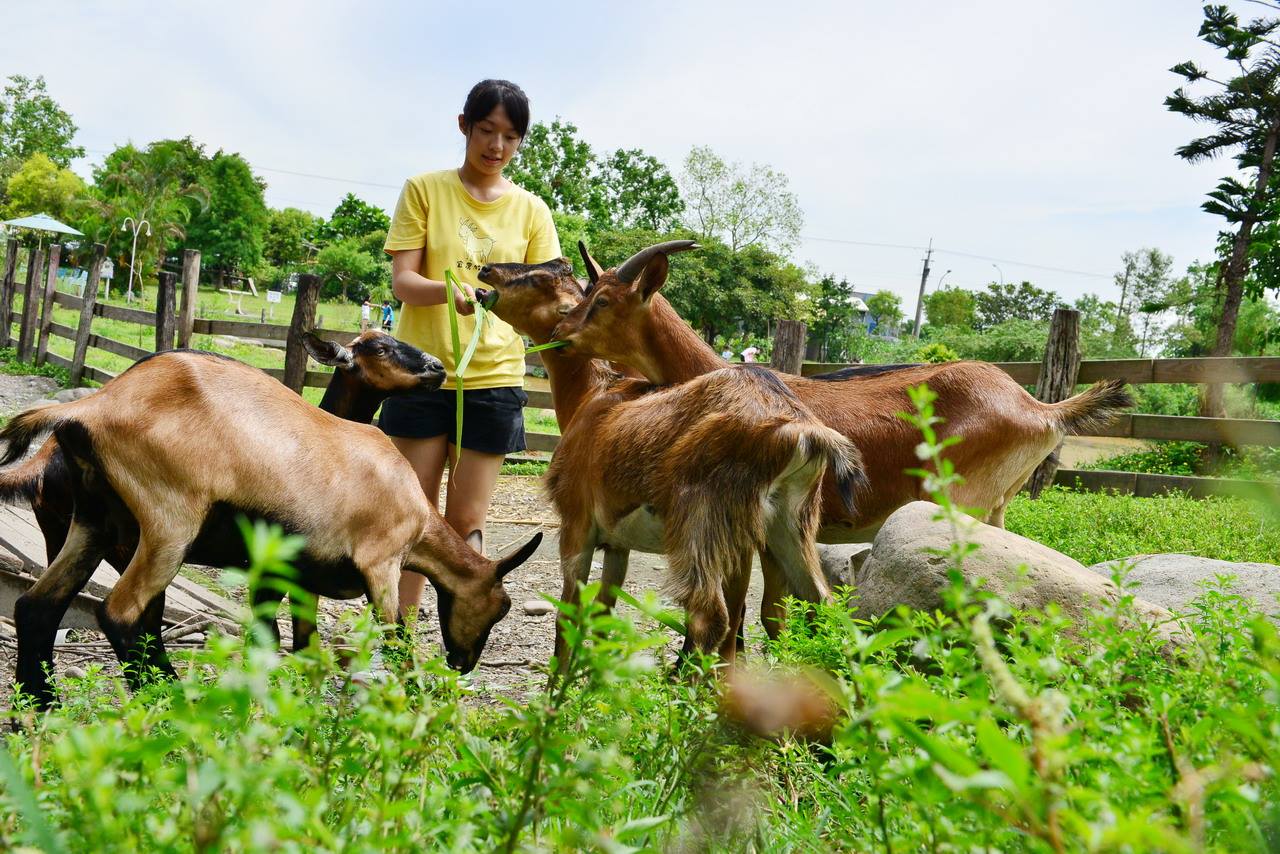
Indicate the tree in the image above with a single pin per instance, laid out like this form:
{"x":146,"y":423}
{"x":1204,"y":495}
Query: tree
{"x":1245,"y":113}
{"x":347,"y":270}
{"x":31,"y":122}
{"x":1143,"y":277}
{"x":159,"y":184}
{"x":632,"y":189}
{"x":230,"y":231}
{"x":353,"y":217}
{"x":744,"y":207}
{"x":886,"y":308}
{"x":949,"y":307}
{"x":833,"y":315}
{"x":1023,"y":301}
{"x":41,"y":186}
{"x":287,"y":234}
{"x":556,"y":166}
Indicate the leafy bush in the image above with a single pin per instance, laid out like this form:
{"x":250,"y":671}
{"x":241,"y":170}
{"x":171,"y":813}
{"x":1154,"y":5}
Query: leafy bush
{"x":1248,"y":463}
{"x":935,"y":353}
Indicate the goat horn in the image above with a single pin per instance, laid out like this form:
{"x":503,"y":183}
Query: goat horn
{"x":593,"y":267}
{"x":632,"y":267}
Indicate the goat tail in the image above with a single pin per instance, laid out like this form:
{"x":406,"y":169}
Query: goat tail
{"x":24,"y":427}
{"x":1092,"y":408}
{"x":841,"y":456}
{"x":22,"y":482}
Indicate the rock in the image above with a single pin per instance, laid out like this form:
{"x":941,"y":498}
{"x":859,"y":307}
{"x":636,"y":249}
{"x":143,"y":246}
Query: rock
{"x":840,"y":563}
{"x":538,"y":607}
{"x":73,"y":672}
{"x":69,"y":394}
{"x":1173,"y":580}
{"x":901,"y":570}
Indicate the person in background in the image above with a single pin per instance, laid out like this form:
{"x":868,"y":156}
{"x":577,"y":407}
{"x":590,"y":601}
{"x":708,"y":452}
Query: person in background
{"x":461,"y":219}
{"x":750,"y":353}
{"x":365,"y":308}
{"x":388,"y":315}
{"x":727,"y":354}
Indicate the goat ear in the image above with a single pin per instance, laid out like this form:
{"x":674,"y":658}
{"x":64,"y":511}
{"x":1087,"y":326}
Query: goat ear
{"x":327,"y":352}
{"x":594,"y":270}
{"x":653,"y":277}
{"x":519,"y":556}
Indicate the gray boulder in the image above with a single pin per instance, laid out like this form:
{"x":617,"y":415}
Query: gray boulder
{"x":902,"y":571}
{"x":67,"y":395}
{"x":841,"y":562}
{"x":1173,"y":580}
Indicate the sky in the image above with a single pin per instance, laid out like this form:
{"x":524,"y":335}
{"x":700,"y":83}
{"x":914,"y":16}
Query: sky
{"x":1025,"y":140}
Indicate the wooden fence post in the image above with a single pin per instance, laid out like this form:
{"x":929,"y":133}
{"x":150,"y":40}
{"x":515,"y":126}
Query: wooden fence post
{"x":6,"y":292}
{"x":190,"y":286}
{"x":46,"y":305}
{"x":30,"y":298}
{"x":788,"y":346}
{"x":165,"y":321}
{"x":1058,"y":373}
{"x":86,"y":313}
{"x":304,"y":318}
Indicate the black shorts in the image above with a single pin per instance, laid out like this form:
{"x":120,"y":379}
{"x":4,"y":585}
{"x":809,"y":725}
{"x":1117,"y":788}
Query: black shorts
{"x":492,"y":418}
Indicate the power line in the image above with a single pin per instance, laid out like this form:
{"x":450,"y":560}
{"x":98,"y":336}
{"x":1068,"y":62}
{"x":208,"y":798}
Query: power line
{"x":957,"y":253}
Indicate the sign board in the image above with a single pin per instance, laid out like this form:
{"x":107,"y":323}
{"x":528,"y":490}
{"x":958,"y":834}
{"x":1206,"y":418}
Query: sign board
{"x":108,"y":270}
{"x":273,"y":296}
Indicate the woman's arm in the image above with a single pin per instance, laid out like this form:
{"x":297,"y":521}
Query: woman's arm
{"x":413,"y":288}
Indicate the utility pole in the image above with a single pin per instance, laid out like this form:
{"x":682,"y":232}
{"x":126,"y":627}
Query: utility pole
{"x":924,"y":278}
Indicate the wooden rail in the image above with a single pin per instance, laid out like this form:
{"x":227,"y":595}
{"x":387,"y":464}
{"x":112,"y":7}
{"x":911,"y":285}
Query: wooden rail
{"x":1133,"y":371}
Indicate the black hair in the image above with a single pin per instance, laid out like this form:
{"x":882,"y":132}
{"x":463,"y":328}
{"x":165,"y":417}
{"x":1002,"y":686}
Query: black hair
{"x":488,"y":94}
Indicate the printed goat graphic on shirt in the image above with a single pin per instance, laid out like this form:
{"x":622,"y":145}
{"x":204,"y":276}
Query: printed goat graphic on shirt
{"x":476,"y":247}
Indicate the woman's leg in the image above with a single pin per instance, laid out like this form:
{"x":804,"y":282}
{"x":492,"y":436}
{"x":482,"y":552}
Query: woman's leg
{"x":427,"y":456}
{"x":471,"y":484}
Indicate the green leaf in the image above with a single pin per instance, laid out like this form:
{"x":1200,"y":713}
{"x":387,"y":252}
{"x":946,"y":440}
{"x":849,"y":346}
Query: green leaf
{"x":637,"y":826}
{"x":1003,"y":752}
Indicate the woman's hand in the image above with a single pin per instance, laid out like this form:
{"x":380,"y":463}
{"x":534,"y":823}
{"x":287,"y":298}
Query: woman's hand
{"x":464,"y":302}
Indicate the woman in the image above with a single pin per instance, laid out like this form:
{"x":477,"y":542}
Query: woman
{"x":462,"y":219}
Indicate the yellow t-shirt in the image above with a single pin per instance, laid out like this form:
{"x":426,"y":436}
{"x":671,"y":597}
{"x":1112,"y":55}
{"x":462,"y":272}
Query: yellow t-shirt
{"x":436,"y":211}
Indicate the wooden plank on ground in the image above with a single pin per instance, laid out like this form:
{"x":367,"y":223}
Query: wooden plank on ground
{"x":541,"y":441}
{"x":1124,"y":482}
{"x":1145,"y":485}
{"x":82,"y":613}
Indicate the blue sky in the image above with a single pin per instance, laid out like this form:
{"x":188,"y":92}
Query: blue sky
{"x":1031,"y":133}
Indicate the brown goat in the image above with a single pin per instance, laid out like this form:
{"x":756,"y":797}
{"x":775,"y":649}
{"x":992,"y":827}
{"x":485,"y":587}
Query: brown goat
{"x":1007,"y":432}
{"x":705,"y":472}
{"x":183,"y":443}
{"x":368,"y":370}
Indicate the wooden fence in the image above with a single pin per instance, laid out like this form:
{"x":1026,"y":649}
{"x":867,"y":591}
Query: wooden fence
{"x":175,"y":322}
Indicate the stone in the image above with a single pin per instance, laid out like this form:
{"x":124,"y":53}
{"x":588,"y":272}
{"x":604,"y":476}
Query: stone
{"x":538,"y":608}
{"x":841,"y":562}
{"x":73,"y":672}
{"x":1173,"y":581}
{"x":67,"y":395}
{"x":901,"y":570}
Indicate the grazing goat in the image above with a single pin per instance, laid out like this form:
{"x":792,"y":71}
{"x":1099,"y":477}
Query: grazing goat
{"x":705,"y":472}
{"x":173,"y":450}
{"x":367,"y":371}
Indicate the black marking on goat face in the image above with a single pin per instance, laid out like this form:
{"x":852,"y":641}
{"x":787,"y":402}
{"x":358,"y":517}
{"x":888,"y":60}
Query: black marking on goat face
{"x":460,"y":654}
{"x":404,"y":356}
{"x":514,"y":274}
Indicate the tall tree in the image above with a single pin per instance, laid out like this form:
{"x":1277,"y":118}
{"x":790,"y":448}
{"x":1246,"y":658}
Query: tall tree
{"x":886,"y":308}
{"x":42,"y":186}
{"x":833,"y":314}
{"x":347,"y":270}
{"x":287,"y":235}
{"x":744,"y":207}
{"x":32,"y":122}
{"x":1006,"y":301}
{"x":353,"y":217}
{"x":555,"y":165}
{"x":1144,"y":276}
{"x":632,"y":189}
{"x":1244,"y":111}
{"x":230,"y":231}
{"x":159,"y":184}
{"x":949,"y":307}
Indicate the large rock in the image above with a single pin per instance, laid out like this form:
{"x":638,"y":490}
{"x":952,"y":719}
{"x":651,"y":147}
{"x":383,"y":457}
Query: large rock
{"x":901,"y":570}
{"x":1173,"y":581}
{"x":67,"y":395}
{"x":841,"y":562}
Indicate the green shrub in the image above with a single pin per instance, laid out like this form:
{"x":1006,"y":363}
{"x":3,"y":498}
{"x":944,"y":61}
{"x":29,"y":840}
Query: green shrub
{"x":1184,"y":458}
{"x":935,"y":353}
